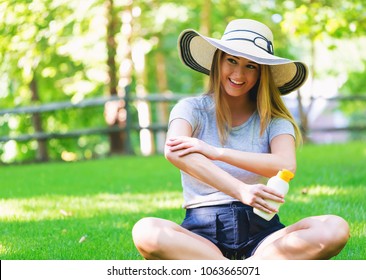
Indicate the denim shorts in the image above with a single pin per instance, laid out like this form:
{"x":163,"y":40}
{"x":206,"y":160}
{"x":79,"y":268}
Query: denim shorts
{"x":233,"y":228}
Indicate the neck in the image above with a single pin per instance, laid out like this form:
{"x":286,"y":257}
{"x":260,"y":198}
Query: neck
{"x":241,"y":108}
{"x":240,"y":104}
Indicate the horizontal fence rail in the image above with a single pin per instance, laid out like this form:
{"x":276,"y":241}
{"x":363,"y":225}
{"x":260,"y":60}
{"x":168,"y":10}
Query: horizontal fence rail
{"x":99,"y":101}
{"x":93,"y":102}
{"x":54,"y":106}
{"x":79,"y":132}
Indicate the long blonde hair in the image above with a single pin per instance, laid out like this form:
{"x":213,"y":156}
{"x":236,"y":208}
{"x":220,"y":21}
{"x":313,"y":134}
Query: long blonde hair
{"x":265,"y":93}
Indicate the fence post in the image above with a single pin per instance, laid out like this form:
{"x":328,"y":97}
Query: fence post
{"x":128,"y":147}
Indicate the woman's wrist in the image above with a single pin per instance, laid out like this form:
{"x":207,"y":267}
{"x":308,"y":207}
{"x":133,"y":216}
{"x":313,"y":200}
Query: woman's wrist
{"x":242,"y":192}
{"x":219,"y":153}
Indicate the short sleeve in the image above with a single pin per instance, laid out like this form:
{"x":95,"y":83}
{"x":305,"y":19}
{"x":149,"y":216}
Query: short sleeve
{"x":185,"y":109}
{"x":280,"y":126}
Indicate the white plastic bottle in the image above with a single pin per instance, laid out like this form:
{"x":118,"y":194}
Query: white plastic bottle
{"x":280,"y":184}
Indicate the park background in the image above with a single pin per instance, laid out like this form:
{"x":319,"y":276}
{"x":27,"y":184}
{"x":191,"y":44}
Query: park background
{"x":85,"y":93}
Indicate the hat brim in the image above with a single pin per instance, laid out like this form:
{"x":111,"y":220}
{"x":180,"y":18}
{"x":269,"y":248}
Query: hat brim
{"x":197,"y":51}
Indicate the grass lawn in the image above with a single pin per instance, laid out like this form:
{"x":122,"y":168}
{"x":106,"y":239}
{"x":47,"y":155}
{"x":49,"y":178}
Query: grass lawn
{"x":86,"y":210}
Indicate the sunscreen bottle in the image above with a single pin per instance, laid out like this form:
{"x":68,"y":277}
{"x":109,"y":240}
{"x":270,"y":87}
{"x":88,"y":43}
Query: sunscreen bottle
{"x":280,"y":184}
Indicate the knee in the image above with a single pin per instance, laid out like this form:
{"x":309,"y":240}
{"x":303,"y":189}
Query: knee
{"x":336,"y":234}
{"x":142,"y":231}
{"x":145,"y":235}
{"x":339,"y":229}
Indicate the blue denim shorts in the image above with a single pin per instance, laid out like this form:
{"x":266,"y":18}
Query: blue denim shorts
{"x":233,"y":228}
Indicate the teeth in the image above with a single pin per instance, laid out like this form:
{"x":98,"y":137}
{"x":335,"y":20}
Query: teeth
{"x":236,"y":82}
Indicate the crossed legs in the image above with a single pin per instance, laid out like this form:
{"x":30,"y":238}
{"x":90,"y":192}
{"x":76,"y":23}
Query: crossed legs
{"x":320,"y":237}
{"x":158,"y":239}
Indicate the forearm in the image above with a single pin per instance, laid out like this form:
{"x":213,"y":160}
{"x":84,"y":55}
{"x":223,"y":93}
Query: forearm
{"x":264,"y":164}
{"x":203,"y":169}
{"x":282,"y":155}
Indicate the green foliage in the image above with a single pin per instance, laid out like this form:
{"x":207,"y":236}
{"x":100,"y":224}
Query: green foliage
{"x":41,"y":42}
{"x":46,"y":211}
{"x":62,"y":46}
{"x":356,"y":110}
{"x":315,"y":19}
{"x":355,"y":84}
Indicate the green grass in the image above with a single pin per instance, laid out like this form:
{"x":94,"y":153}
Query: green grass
{"x":45,"y":209}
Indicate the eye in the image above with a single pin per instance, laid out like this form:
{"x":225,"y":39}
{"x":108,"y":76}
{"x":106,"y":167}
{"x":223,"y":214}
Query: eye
{"x":232,"y":60}
{"x":252,"y":66}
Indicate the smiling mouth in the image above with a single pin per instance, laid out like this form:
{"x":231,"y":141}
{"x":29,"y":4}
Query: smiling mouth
{"x":236,"y":82}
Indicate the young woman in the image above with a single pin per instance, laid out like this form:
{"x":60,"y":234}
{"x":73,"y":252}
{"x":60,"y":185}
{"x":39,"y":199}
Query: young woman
{"x":225,"y":143}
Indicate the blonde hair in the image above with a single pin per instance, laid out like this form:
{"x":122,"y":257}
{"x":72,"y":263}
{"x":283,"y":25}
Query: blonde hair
{"x":265,"y":93}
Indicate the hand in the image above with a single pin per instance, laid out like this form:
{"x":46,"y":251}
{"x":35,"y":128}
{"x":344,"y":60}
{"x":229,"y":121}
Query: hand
{"x":187,"y":145}
{"x":256,"y":196}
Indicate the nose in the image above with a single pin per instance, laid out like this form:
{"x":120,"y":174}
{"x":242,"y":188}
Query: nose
{"x":239,"y":72}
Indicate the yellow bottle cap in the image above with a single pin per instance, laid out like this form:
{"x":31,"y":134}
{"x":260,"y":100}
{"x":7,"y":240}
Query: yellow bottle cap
{"x":285,"y":175}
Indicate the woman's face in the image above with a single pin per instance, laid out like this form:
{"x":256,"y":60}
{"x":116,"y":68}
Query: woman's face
{"x":238,"y":75}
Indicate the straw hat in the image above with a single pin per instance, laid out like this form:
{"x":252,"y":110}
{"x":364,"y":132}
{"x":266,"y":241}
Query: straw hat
{"x":244,"y":38}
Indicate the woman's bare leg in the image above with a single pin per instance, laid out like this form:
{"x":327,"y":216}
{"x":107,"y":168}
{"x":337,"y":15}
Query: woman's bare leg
{"x":164,"y":240}
{"x":320,"y":237}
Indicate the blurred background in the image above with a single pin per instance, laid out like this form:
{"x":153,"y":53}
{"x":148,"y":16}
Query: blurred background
{"x":92,"y":78}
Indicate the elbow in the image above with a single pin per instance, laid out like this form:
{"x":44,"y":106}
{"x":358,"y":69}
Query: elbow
{"x":178,"y":161}
{"x":291,"y":166}
{"x":283,"y":164}
{"x":172,"y":157}
{"x":168,"y":155}
{"x":292,"y":169}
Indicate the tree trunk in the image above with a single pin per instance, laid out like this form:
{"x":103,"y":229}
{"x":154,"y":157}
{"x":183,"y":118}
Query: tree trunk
{"x":206,"y":17}
{"x":162,"y":107}
{"x":206,"y":28}
{"x":42,"y":153}
{"x":304,"y":114}
{"x":303,"y":117}
{"x":115,"y":111}
{"x":147,"y":146}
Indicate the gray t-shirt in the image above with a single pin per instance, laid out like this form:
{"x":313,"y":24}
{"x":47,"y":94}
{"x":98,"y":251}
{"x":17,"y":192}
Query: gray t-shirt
{"x":199,"y":112}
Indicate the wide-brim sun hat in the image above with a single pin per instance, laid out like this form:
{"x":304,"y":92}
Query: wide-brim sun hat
{"x":246,"y":38}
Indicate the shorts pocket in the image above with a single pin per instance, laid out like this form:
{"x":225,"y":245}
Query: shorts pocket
{"x":203,"y":225}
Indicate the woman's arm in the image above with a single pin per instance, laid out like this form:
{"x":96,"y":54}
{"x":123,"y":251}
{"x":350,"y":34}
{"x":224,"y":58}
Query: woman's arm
{"x":282,"y":156}
{"x":202,"y":168}
{"x":266,"y":164}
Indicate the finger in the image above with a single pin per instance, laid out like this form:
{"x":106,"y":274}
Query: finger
{"x":173,"y":142}
{"x":270,"y":209}
{"x":273,"y":192}
{"x":275,"y":198}
{"x":264,"y":206}
{"x":264,"y":193}
{"x":179,"y":138}
{"x":180,"y":146}
{"x":184,"y":152}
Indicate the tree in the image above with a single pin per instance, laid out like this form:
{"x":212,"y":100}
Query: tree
{"x":70,"y":50}
{"x":115,"y":112}
{"x":313,"y":21}
{"x":41,"y":62}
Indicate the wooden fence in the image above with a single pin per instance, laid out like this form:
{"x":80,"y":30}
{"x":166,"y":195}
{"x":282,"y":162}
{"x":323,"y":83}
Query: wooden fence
{"x":348,"y":128}
{"x":154,"y":127}
{"x":128,"y":128}
{"x":94,"y":102}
